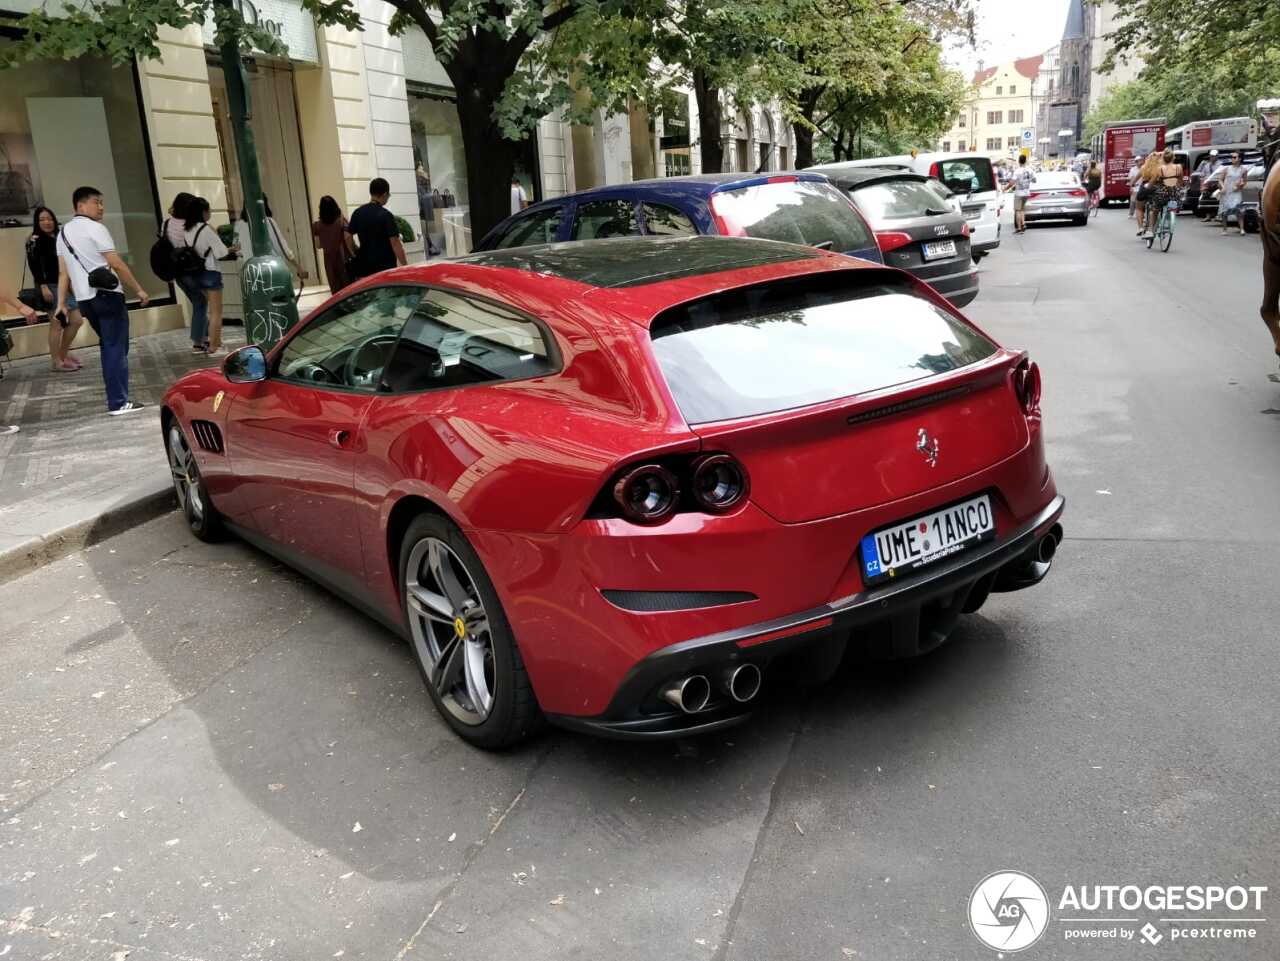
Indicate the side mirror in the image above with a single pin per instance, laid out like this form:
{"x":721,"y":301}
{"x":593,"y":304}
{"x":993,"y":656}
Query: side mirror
{"x":248,"y":365}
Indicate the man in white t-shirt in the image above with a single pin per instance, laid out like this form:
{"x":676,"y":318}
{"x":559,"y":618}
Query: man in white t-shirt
{"x":1020,"y":184}
{"x":519,"y":199}
{"x":85,"y":249}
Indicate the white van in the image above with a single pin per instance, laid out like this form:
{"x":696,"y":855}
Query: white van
{"x":968,"y":175}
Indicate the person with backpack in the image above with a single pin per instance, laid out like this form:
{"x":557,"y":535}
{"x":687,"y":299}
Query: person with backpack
{"x":172,"y":259}
{"x":204,"y":240}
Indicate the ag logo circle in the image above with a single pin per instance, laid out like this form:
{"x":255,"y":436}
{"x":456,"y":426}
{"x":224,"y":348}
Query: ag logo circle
{"x":1008,"y":911}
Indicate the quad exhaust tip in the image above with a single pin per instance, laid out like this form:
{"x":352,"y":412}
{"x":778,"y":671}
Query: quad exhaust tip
{"x":741,"y":683}
{"x":689,"y":694}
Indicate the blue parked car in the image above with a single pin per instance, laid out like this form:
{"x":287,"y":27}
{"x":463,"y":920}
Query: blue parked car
{"x":799,"y":208}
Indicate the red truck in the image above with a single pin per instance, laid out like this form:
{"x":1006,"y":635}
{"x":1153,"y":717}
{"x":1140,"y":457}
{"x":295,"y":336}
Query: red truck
{"x":1115,"y":148}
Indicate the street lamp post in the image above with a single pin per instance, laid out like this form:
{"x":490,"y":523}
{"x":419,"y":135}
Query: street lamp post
{"x":266,"y":284}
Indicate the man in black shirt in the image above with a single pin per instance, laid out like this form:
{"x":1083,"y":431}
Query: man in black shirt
{"x":374,"y":226}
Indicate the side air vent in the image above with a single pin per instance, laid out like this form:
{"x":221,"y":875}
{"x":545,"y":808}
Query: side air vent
{"x":891,"y":409}
{"x":649,"y":602}
{"x":207,"y":435}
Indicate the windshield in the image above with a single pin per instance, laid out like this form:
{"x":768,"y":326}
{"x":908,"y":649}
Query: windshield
{"x":1056,"y":179}
{"x":795,"y":211}
{"x":900,"y":199}
{"x":970,"y":175}
{"x":778,"y":346}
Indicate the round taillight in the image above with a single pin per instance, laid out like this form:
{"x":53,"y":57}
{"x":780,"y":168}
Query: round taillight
{"x":719,"y":483}
{"x":647,"y":494}
{"x":1028,"y":386}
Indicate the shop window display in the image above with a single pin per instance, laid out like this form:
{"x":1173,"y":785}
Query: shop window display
{"x":65,"y":124}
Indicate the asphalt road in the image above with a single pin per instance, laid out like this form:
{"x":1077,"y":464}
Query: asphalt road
{"x":202,"y":756}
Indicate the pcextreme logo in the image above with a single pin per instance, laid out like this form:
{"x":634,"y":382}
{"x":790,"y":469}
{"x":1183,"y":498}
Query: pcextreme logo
{"x":1009,"y":911}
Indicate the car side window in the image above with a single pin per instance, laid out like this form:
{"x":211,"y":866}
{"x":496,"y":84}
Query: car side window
{"x":661,"y":220}
{"x":454,"y":341}
{"x":539,"y":227}
{"x":349,"y":344}
{"x":598,"y":219}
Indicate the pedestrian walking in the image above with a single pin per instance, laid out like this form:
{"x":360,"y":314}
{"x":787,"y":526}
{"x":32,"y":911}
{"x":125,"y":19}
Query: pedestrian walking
{"x":1020,"y":184}
{"x":204,"y":240}
{"x":330,"y":233}
{"x":90,"y":270}
{"x":1232,"y":179}
{"x":377,"y":234}
{"x":42,"y":261}
{"x":174,"y":229}
{"x":279,"y":246}
{"x":519,"y":199}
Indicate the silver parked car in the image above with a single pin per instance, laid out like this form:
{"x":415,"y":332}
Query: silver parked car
{"x":1057,"y":195}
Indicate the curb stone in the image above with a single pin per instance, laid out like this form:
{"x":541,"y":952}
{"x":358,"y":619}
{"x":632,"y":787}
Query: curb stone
{"x":39,"y":550}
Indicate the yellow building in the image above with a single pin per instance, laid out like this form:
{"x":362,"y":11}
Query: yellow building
{"x":998,"y":118}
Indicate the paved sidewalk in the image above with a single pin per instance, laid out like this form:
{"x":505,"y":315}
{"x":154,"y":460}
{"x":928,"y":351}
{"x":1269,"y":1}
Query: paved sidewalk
{"x":74,"y":475}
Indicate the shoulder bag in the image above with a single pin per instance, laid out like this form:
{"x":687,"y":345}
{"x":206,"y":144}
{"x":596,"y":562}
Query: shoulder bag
{"x":100,"y":278}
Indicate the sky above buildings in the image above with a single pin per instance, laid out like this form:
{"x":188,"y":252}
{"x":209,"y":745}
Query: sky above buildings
{"x":1009,"y":29}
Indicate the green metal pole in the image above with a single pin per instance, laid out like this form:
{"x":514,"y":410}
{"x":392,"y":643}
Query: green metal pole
{"x":266,"y":283}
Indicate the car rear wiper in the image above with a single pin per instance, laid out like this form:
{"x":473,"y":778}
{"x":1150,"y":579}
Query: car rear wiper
{"x":935,"y":212}
{"x":825,"y":245}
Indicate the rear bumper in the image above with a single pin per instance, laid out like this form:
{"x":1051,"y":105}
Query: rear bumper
{"x":1006,"y":560}
{"x":960,"y":286}
{"x":1054,"y":213}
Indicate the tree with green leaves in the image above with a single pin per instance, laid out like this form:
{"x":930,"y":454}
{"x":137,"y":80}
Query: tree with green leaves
{"x":1238,"y":39}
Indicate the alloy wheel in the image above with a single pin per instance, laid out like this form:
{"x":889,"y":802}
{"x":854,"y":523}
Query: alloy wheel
{"x":451,"y":630}
{"x":186,"y":475}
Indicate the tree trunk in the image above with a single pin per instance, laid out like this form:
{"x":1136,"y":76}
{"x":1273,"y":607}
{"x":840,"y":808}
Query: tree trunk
{"x":804,"y":145}
{"x":479,"y":77}
{"x":710,"y":122}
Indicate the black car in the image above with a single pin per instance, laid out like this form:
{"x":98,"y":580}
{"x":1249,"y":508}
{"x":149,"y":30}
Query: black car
{"x":917,"y":226}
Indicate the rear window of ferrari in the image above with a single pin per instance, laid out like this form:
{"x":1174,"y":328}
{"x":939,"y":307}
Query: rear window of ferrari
{"x":774,"y":347}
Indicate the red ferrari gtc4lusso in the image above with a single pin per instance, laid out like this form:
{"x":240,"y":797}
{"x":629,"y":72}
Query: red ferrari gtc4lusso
{"x":610,"y":483}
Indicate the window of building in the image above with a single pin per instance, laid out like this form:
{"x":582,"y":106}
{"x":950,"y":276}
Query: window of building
{"x":946,"y":146}
{"x":441,"y":167}
{"x":454,"y":341}
{"x":961,"y":147}
{"x":52,"y":112}
{"x":1012,"y":142}
{"x":1013,"y":90}
{"x":999,"y":91}
{"x":674,"y":144}
{"x":961,"y":123}
{"x":993,"y":143}
{"x":995,"y":116}
{"x":1015,"y":116}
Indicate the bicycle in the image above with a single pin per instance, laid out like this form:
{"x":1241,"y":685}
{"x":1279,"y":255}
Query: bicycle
{"x":1164,"y":227}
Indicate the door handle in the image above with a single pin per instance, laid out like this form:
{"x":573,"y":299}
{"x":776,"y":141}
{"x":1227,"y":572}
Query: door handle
{"x":338,"y":438}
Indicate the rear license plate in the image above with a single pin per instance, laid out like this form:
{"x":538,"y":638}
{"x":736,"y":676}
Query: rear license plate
{"x":939,"y":248}
{"x":911,"y":545}
{"x":973,"y":214}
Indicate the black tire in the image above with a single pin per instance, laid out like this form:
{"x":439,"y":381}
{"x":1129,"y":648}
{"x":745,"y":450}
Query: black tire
{"x":188,"y":485}
{"x":1081,"y":221}
{"x":514,"y":713}
{"x":978,"y":255}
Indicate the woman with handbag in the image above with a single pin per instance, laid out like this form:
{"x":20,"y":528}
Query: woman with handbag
{"x":42,"y":261}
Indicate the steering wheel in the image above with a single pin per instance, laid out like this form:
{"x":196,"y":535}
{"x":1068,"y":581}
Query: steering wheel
{"x":313,"y":373}
{"x":350,"y":375}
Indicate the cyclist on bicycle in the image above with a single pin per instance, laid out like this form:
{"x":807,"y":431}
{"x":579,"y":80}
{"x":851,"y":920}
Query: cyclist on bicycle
{"x":1165,"y":188}
{"x":1093,"y":182}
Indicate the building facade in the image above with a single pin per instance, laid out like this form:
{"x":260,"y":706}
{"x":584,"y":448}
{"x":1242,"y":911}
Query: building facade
{"x":343,"y":107}
{"x":998,"y":116}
